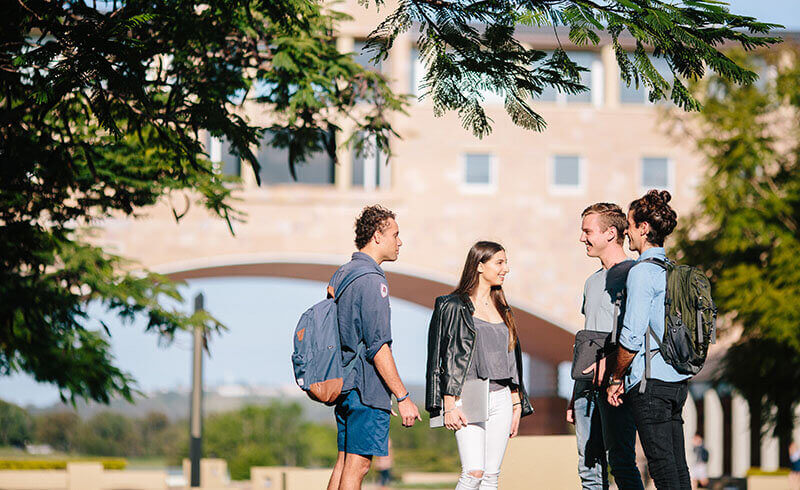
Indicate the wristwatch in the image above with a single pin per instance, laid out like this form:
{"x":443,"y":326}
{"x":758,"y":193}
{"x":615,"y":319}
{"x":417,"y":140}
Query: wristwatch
{"x":614,"y":382}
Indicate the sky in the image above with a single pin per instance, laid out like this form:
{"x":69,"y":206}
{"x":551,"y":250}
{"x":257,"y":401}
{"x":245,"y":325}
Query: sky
{"x":262,"y":313}
{"x":784,"y":12}
{"x":255,"y":350}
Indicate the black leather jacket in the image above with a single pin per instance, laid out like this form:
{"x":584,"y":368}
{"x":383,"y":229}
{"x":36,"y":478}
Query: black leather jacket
{"x":451,"y":338}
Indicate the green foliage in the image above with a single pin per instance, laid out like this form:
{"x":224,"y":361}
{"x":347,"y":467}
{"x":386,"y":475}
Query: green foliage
{"x":275,"y":434}
{"x":102,"y":108}
{"x":60,"y":430}
{"x":58,"y":464}
{"x":16,"y":425}
{"x":745,"y":231}
{"x":470,"y":48}
{"x":110,"y":434}
{"x":421,"y":448}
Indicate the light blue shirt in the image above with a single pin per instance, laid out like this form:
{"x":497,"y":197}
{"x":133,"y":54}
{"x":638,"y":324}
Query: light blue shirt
{"x":646,"y":288}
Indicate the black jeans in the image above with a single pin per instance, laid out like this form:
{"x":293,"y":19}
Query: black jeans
{"x":657,"y":413}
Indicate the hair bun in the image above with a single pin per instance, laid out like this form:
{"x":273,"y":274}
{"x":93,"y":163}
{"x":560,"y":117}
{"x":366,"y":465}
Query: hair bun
{"x":657,"y":196}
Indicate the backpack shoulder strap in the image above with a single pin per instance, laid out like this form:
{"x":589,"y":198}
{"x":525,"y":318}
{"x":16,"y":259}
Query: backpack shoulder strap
{"x":336,"y":293}
{"x":648,"y":352}
{"x":349,"y":278}
{"x":615,"y":328}
{"x":664,"y":264}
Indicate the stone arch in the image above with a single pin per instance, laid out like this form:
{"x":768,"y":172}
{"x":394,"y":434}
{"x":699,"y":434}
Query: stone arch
{"x":547,"y":343}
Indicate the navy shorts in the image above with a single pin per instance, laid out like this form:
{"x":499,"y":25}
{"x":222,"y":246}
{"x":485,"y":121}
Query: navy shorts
{"x":362,"y":430}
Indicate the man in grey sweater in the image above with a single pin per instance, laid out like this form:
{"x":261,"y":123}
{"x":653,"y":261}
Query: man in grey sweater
{"x":605,"y":434}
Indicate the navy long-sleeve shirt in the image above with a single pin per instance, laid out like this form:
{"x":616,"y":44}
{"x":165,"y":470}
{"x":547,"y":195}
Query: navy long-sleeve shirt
{"x":364,"y":316}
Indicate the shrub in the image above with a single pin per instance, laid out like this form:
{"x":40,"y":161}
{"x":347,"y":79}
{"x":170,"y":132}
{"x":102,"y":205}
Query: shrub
{"x":58,"y":464}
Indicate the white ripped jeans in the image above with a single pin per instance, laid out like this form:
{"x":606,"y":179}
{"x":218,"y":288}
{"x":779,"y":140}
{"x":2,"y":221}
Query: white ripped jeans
{"x":481,"y":446}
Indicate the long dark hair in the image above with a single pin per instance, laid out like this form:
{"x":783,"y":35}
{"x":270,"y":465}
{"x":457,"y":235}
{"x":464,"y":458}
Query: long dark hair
{"x":480,"y":253}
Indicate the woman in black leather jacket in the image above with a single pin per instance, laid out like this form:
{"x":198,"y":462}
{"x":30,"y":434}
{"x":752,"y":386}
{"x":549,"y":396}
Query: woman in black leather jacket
{"x":473,"y":337}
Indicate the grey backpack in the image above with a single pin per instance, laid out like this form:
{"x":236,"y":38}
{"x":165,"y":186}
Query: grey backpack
{"x":317,"y":356}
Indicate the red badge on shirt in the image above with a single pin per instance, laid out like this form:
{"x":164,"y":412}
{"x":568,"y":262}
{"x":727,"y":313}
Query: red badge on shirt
{"x":384,"y":290}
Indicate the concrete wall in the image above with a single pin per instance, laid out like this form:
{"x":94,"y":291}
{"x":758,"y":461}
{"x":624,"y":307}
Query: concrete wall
{"x":547,"y":462}
{"x":768,"y":483}
{"x":83,"y":476}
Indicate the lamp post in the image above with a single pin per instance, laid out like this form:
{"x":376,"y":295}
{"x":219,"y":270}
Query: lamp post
{"x":196,"y":403}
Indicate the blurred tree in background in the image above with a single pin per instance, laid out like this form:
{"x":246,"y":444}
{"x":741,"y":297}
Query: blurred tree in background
{"x":744,"y":232}
{"x":271,"y":435}
{"x":109,"y":434}
{"x":268,"y":435}
{"x":16,"y":425}
{"x":60,"y":430}
{"x":421,"y":448}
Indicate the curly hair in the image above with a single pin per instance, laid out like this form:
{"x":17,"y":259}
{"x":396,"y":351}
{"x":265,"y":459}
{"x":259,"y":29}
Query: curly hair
{"x":654,"y":208}
{"x":372,"y":219}
{"x":610,"y":215}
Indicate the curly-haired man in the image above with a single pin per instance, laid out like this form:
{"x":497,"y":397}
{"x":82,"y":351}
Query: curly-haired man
{"x":362,"y":414}
{"x":657,"y":408}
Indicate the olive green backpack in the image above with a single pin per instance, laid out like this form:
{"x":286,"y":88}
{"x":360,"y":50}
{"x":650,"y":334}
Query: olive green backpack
{"x":690,"y":320}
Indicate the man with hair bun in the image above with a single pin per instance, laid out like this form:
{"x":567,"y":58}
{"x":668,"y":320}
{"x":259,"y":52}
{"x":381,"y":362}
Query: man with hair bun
{"x":363,"y":409}
{"x":657,"y":411}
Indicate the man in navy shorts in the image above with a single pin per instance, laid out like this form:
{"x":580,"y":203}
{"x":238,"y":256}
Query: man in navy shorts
{"x":362,"y":414}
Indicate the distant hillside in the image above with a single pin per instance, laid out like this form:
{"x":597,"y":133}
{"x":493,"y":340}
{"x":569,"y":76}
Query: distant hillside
{"x":175,"y":404}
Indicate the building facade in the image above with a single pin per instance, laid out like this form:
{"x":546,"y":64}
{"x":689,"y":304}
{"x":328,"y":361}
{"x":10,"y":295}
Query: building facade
{"x":521,"y":188}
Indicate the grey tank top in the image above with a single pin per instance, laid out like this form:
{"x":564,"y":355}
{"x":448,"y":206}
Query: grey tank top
{"x":491,"y":359}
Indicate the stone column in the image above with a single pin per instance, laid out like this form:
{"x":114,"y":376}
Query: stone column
{"x":542,"y":378}
{"x":247,"y":173}
{"x":399,"y":69}
{"x":611,"y":75}
{"x":770,"y":451}
{"x":689,"y":425}
{"x":84,"y":476}
{"x":796,"y":431}
{"x":543,"y":392}
{"x":400,"y":73}
{"x":713,"y":432}
{"x":343,"y":172}
{"x":740,"y":435}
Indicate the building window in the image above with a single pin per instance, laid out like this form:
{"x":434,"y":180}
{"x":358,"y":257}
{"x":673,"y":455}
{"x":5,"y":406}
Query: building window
{"x":480,"y":173}
{"x":633,"y":95}
{"x":318,"y":169}
{"x":219,"y":152}
{"x":592,"y":79}
{"x":567,"y":174}
{"x":371,"y":170}
{"x":655,"y":173}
